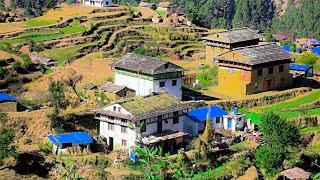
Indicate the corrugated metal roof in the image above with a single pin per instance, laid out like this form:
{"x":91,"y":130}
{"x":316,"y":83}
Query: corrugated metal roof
{"x":299,"y":67}
{"x":234,"y":35}
{"x":201,"y":114}
{"x":74,"y":138}
{"x":316,"y":50}
{"x":287,"y":48}
{"x":7,"y":98}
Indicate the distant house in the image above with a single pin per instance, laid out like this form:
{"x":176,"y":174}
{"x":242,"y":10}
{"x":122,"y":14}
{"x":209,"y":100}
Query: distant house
{"x":301,"y":70}
{"x":8,"y":103}
{"x":98,"y":3}
{"x":149,"y":5}
{"x":148,"y":75}
{"x":154,"y":120}
{"x":50,"y":63}
{"x":195,"y":122}
{"x":115,"y":92}
{"x":63,"y":142}
{"x":90,"y":89}
{"x":306,"y":43}
{"x":167,"y":7}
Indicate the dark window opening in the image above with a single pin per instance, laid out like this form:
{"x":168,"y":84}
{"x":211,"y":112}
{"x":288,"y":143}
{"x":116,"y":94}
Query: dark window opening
{"x":270,"y":70}
{"x":281,"y":68}
{"x":143,"y":126}
{"x":259,"y":72}
{"x":162,"y":84}
{"x":217,"y":120}
{"x":175,"y":120}
{"x":174,"y":82}
{"x":166,"y":66}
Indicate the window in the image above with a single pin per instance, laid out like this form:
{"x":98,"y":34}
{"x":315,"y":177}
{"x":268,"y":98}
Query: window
{"x":217,"y":120}
{"x":162,"y":84}
{"x":175,"y":120}
{"x":270,"y":70}
{"x":166,"y":66}
{"x":114,"y":108}
{"x":123,"y":142}
{"x":110,"y":127}
{"x":174,"y":82}
{"x":124,"y":121}
{"x":259,"y":72}
{"x":143,"y":126}
{"x":160,"y":117}
{"x":176,"y":113}
{"x":123,"y":129}
{"x":281,"y":68}
{"x":119,"y":109}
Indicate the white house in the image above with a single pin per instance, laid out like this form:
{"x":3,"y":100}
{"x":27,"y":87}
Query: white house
{"x":196,"y":120}
{"x":148,"y":75}
{"x":151,"y":120}
{"x":98,"y":3}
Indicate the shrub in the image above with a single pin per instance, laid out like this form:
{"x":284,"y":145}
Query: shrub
{"x":16,"y":66}
{"x":269,"y":159}
{"x":26,"y":61}
{"x":208,"y":77}
{"x":2,"y":72}
{"x":308,"y":58}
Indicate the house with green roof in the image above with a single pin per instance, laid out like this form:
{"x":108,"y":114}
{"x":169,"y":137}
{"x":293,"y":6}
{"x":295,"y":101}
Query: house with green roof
{"x":152,"y":120}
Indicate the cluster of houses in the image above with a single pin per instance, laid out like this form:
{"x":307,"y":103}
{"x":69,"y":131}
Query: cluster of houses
{"x":149,"y":107}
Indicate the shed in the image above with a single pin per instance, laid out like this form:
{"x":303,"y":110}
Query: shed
{"x":114,"y":91}
{"x":316,"y":50}
{"x":301,"y":70}
{"x":196,"y":119}
{"x":149,"y":5}
{"x":7,"y":102}
{"x":44,"y":61}
{"x":61,"y":142}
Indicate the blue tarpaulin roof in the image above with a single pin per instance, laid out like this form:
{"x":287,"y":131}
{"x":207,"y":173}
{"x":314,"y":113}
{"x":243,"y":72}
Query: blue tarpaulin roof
{"x":316,"y":50}
{"x":7,"y":98}
{"x":287,"y":48}
{"x":299,"y":67}
{"x":200,"y":114}
{"x":74,"y":138}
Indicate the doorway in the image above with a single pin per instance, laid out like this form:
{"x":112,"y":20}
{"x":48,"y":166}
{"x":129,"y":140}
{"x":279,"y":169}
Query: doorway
{"x":159,"y":126}
{"x":229,"y":123}
{"x":111,"y":143}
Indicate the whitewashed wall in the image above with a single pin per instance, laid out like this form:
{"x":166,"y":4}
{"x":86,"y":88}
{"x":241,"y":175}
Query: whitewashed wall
{"x":103,"y":3}
{"x":142,"y":87}
{"x":175,"y":91}
{"x":152,"y":127}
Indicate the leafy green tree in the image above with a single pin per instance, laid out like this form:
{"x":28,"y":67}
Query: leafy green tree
{"x":58,"y":97}
{"x":308,"y":58}
{"x":269,"y":159}
{"x":278,"y":132}
{"x":6,"y":139}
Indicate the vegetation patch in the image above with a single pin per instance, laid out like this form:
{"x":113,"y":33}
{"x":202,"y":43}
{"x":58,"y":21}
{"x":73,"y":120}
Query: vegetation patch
{"x":74,"y":27}
{"x":38,"y":23}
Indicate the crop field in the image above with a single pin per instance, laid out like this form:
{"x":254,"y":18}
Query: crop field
{"x":296,"y":107}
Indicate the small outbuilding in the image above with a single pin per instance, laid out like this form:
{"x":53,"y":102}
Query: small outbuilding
{"x":47,"y":62}
{"x":234,"y":121}
{"x":294,"y":174}
{"x":149,"y":5}
{"x":64,"y":142}
{"x":114,"y":92}
{"x":301,"y":70}
{"x":196,"y":119}
{"x":8,"y":103}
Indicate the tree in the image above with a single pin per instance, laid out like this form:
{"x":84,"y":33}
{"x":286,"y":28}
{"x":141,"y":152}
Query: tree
{"x":278,"y":132}
{"x":269,"y":159}
{"x":6,"y":139}
{"x":2,"y":72}
{"x":58,"y":97}
{"x":308,"y":58}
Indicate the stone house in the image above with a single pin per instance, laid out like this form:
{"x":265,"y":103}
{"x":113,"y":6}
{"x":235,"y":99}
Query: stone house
{"x":148,"y":75}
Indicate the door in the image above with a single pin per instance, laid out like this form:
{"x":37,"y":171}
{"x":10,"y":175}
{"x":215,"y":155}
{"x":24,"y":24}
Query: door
{"x":229,"y":124}
{"x":159,"y":126}
{"x":111,"y":143}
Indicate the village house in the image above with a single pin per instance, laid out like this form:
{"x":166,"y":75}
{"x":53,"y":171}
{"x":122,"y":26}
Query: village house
{"x":222,"y":42}
{"x":47,"y":62}
{"x":115,"y":92}
{"x":167,"y":7}
{"x":195,"y":121}
{"x":253,"y":69}
{"x":148,"y":75}
{"x":151,"y":120}
{"x":301,"y":70}
{"x":98,"y":3}
{"x":149,"y":5}
{"x":75,"y":141}
{"x":7,"y":103}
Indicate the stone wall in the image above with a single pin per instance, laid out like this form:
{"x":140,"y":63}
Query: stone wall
{"x":262,"y":100}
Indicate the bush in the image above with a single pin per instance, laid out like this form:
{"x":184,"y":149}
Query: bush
{"x":46,"y":147}
{"x":2,"y":72}
{"x":26,"y":61}
{"x":308,"y":58}
{"x":208,"y":77}
{"x":269,"y":159}
{"x":16,"y":66}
